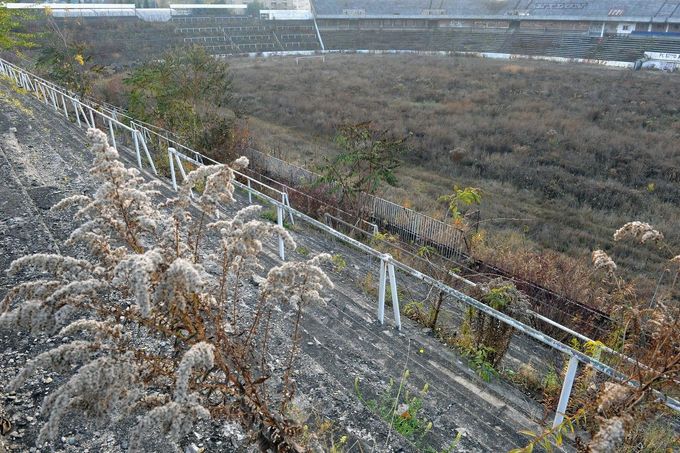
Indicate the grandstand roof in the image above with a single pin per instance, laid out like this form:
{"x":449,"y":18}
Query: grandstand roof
{"x":79,"y":10}
{"x":599,"y":10}
{"x":54,"y":6}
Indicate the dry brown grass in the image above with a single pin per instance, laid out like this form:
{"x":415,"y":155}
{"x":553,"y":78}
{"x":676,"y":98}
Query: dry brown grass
{"x":516,"y":69}
{"x":570,"y":151}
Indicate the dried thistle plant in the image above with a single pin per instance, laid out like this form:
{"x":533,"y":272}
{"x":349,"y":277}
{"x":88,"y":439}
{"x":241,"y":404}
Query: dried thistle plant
{"x":648,"y":332}
{"x":152,"y":309}
{"x":602,"y":261}
{"x":638,"y":231}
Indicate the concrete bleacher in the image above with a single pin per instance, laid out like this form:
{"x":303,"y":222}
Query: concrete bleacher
{"x":629,"y":48}
{"x":658,"y":11}
{"x":537,"y":43}
{"x":549,"y":44}
{"x":232,"y":35}
{"x":240,"y":35}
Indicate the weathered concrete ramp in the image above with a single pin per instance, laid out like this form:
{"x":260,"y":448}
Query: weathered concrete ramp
{"x":47,"y":159}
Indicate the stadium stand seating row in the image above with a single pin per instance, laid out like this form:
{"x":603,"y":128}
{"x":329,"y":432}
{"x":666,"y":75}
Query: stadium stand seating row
{"x":543,"y":43}
{"x":227,"y":35}
{"x":231,"y":35}
{"x":634,"y":10}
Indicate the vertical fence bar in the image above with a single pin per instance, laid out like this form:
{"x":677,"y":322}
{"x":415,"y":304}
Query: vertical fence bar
{"x":43,"y":96}
{"x":181,"y":167}
{"x":42,"y":91}
{"x":381,"y":292}
{"x":139,"y":156}
{"x":250,"y":194}
{"x":284,"y":200}
{"x":63,"y":104}
{"x":292,"y":219}
{"x":87,"y":121}
{"x":29,"y":83}
{"x":146,"y":151}
{"x":53,"y":98}
{"x":113,"y":134}
{"x":172,"y":168}
{"x":75,"y":109}
{"x":395,"y":296}
{"x":279,"y":219}
{"x":566,"y":391}
{"x":92,"y":118}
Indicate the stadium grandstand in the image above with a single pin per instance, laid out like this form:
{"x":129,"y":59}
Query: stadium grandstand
{"x":605,"y":16}
{"x":617,"y":32}
{"x":655,"y":14}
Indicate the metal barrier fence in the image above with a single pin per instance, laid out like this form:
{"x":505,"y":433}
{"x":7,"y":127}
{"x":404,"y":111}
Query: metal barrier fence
{"x":410,"y":225}
{"x":90,"y":114}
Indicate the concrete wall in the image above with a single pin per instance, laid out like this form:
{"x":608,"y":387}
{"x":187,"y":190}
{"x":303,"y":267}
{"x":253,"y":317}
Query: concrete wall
{"x":285,"y":14}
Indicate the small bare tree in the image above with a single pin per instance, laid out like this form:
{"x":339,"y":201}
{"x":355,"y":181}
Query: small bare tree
{"x":368,"y":159}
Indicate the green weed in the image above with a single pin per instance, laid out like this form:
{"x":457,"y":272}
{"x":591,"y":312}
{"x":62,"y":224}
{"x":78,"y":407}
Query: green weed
{"x":401,"y":409}
{"x":339,"y":263}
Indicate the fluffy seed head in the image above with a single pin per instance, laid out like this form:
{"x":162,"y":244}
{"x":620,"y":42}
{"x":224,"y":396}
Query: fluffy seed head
{"x":638,"y":231}
{"x":602,"y":261}
{"x":201,"y":355}
{"x":610,"y":435}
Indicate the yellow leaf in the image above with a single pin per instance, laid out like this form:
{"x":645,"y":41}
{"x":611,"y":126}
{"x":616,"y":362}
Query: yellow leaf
{"x":79,"y":59}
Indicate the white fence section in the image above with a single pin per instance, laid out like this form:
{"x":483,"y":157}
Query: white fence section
{"x":285,"y":14}
{"x":91,"y":114}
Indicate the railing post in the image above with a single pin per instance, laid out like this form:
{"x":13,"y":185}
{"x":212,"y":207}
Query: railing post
{"x":75,"y":109}
{"x":63,"y":104}
{"x":287,"y":203}
{"x":566,"y":391}
{"x":381,"y":291}
{"x":29,"y":83}
{"x":146,"y":151}
{"x":113,"y":134}
{"x":139,"y":156}
{"x":53,"y":98}
{"x":283,"y":198}
{"x":42,"y":93}
{"x":82,"y":110}
{"x":181,"y":167}
{"x":395,"y":296}
{"x":250,"y":194}
{"x":279,"y":219}
{"x":172,"y":168}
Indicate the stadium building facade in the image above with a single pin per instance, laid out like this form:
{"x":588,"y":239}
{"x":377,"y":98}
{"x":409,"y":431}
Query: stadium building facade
{"x":597,"y":17}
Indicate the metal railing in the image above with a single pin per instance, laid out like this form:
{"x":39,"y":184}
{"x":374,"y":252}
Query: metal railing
{"x":410,"y":225}
{"x":85,"y":113}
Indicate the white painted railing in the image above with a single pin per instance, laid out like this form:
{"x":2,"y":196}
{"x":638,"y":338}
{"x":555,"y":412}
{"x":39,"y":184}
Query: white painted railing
{"x":50,"y":94}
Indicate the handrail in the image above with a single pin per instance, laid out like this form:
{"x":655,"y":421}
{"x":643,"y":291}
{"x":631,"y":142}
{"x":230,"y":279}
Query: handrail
{"x":388,"y":261}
